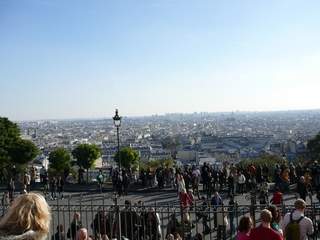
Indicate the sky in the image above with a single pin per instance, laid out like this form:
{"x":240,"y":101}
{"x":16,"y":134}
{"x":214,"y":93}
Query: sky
{"x":82,"y":59}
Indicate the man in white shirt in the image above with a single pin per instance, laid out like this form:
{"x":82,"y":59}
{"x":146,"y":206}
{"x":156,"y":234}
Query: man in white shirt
{"x":305,"y":223}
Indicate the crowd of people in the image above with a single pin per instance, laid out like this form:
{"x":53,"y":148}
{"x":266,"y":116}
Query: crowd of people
{"x":214,"y":202}
{"x":29,"y":216}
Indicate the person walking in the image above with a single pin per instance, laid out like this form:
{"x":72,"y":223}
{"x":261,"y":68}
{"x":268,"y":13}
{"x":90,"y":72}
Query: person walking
{"x":295,"y":225}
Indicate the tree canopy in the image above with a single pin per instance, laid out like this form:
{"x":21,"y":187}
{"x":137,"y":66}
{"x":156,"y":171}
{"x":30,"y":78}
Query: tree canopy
{"x":314,"y":147}
{"x":171,"y":143}
{"x":128,"y":158}
{"x":59,"y":160}
{"x":23,"y":151}
{"x":13,"y":149}
{"x":86,"y":155}
{"x":267,"y":160}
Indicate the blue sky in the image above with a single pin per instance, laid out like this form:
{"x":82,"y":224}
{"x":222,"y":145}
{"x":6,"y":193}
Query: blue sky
{"x":82,"y":59}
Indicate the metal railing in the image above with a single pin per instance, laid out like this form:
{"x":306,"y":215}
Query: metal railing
{"x":155,"y":221}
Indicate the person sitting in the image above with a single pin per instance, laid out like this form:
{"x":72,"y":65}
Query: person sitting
{"x":28,"y":218}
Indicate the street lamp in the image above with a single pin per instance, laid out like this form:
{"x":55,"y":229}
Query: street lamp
{"x":117,"y":124}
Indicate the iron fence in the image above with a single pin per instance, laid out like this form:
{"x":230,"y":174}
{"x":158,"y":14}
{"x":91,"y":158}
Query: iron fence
{"x":155,"y":221}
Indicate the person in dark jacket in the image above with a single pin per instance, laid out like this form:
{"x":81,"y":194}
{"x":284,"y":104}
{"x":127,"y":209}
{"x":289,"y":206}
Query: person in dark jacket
{"x":302,"y":188}
{"x":100,"y":225}
{"x":74,"y":226}
{"x":59,"y":235}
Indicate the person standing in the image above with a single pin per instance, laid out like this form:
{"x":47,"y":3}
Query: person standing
{"x":264,"y":230}
{"x":60,"y":186}
{"x":244,"y":228}
{"x":11,"y":189}
{"x":100,"y":180}
{"x":216,"y":201}
{"x":53,"y":188}
{"x":302,"y":188}
{"x":27,"y":181}
{"x":75,"y":225}
{"x":222,"y":222}
{"x":231,"y":184}
{"x":295,"y":223}
{"x":241,"y":182}
{"x":277,"y":197}
{"x":232,"y":212}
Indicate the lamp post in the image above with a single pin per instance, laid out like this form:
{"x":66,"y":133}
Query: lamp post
{"x":117,"y":124}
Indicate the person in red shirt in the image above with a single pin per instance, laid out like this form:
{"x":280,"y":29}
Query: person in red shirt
{"x":264,"y":231}
{"x":277,"y":197}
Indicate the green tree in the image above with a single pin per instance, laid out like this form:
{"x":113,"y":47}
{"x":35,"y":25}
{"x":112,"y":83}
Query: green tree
{"x":59,"y":160}
{"x":13,"y":149}
{"x":314,"y":147}
{"x":23,"y":151}
{"x":86,"y":155}
{"x":9,"y":134}
{"x":128,"y":158}
{"x":171,"y":143}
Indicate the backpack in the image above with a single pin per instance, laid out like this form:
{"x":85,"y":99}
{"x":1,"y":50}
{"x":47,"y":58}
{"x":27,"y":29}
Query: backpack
{"x":292,"y":231}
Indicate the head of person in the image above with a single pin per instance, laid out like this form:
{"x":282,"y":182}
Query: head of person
{"x":245,"y":224}
{"x":82,"y":234}
{"x":302,"y":179}
{"x":127,"y":203}
{"x":300,"y":205}
{"x":76,"y":216}
{"x":275,"y":213}
{"x":170,"y":237}
{"x":28,"y":212}
{"x":266,"y":217}
{"x":177,"y":236}
{"x":60,"y":228}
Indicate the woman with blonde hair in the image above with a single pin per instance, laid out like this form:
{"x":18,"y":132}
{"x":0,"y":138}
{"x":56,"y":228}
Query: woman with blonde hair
{"x":28,"y":218}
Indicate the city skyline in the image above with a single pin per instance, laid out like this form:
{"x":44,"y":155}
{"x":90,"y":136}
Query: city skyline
{"x":74,"y":59}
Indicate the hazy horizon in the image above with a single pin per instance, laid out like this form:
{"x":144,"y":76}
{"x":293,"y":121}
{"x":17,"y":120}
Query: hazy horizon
{"x":82,"y":59}
{"x":164,"y":114}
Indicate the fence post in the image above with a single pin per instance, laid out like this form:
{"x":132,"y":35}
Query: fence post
{"x":182,"y":219}
{"x":117,"y":208}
